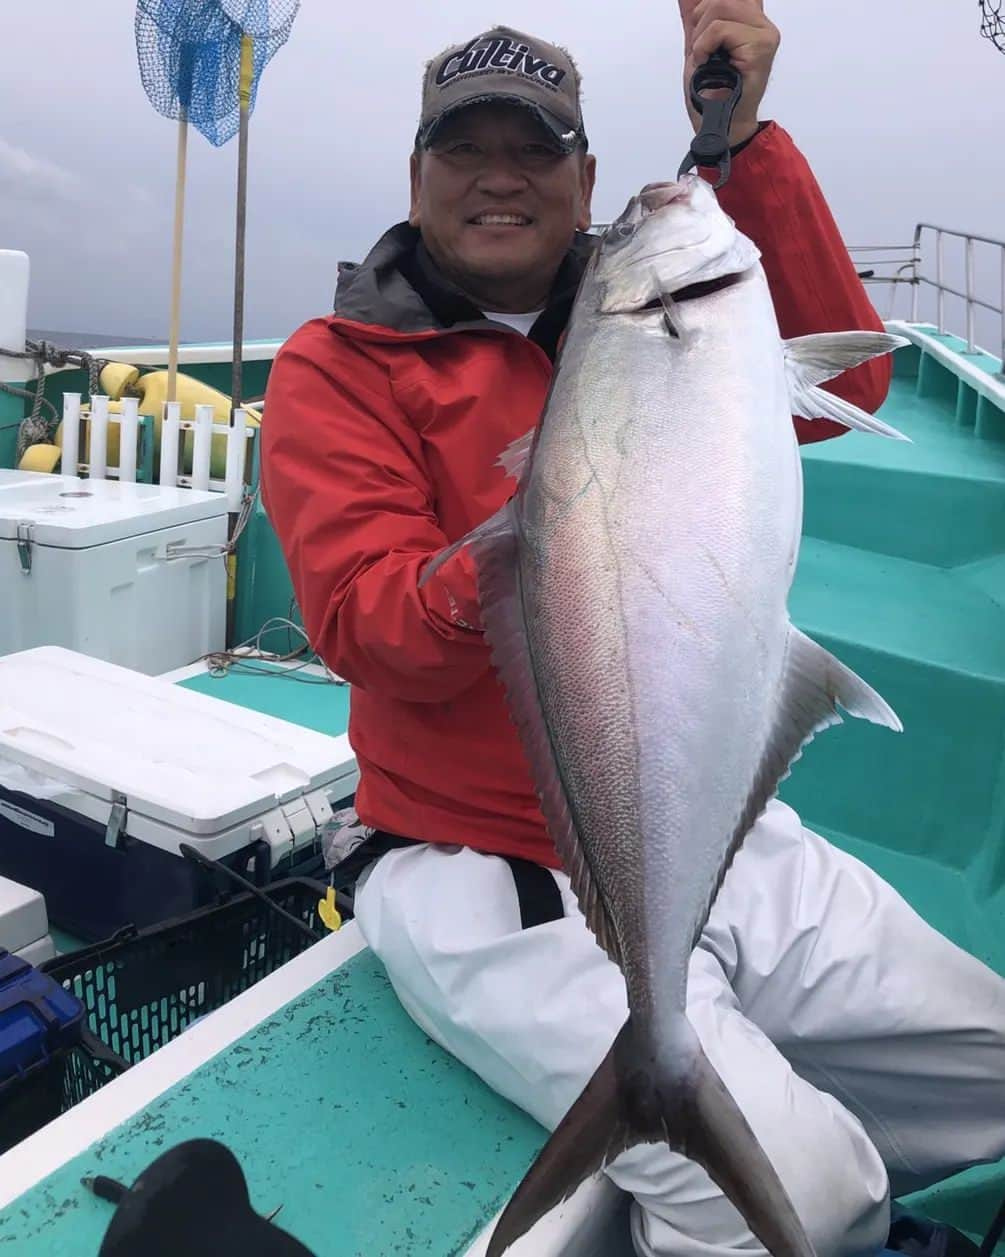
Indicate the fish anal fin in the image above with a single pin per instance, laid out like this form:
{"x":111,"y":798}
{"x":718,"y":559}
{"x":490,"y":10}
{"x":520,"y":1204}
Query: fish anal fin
{"x":813,"y":686}
{"x":503,"y":618}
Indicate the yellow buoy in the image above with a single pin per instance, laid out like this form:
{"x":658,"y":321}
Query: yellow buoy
{"x":119,"y":379}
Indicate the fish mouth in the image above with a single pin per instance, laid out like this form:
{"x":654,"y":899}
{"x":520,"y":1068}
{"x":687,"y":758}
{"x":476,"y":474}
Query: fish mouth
{"x":657,"y":196}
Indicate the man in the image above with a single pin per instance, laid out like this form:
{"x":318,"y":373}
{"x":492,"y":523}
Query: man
{"x":866,"y":1051}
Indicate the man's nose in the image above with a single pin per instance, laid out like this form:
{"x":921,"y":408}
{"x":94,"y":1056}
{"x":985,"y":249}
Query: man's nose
{"x":501,"y":176}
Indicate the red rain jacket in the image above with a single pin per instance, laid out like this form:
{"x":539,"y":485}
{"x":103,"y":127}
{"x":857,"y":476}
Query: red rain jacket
{"x":382,"y":428}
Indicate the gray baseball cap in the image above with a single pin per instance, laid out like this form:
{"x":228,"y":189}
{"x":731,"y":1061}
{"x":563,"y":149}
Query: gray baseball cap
{"x":504,"y":65}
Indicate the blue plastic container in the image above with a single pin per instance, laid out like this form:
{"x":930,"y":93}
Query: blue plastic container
{"x":37,"y":1017}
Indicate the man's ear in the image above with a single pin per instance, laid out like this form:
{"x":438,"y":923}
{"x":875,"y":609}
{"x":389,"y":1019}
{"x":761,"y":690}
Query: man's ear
{"x":415,"y":181}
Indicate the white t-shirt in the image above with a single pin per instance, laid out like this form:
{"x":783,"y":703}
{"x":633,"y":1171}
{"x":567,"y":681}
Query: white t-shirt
{"x":521,"y":322}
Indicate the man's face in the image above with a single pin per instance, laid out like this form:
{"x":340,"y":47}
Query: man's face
{"x":497,"y":202}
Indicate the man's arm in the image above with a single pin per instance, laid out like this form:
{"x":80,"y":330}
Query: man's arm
{"x":344,"y":486}
{"x":775,"y":200}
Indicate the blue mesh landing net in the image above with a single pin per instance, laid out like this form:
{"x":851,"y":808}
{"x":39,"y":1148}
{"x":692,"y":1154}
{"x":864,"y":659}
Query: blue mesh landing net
{"x":993,"y":22}
{"x":189,"y":53}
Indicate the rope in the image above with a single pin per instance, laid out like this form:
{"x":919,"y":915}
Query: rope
{"x":243,"y":658}
{"x":34,"y":429}
{"x":227,"y":547}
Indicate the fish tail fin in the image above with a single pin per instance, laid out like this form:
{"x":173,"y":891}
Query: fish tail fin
{"x":622,"y":1106}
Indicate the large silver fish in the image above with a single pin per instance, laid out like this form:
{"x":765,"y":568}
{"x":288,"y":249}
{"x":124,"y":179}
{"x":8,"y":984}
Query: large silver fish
{"x":634,"y":594}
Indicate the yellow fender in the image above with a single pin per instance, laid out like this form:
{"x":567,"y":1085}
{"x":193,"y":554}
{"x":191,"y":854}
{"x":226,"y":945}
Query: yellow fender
{"x":118,"y":378}
{"x":40,"y":458}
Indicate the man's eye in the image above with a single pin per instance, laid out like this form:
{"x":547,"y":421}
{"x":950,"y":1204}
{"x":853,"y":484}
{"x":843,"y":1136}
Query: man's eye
{"x":539,"y":152}
{"x":462,"y":148}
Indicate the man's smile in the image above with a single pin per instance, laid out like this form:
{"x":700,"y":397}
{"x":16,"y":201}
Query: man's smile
{"x":497,"y":219}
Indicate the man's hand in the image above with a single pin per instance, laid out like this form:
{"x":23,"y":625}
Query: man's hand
{"x":740,"y":27}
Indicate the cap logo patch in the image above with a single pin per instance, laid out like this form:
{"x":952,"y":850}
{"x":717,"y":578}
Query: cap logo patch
{"x":485,"y":56}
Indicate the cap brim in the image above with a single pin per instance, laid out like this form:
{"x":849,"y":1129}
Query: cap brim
{"x":566,"y":137}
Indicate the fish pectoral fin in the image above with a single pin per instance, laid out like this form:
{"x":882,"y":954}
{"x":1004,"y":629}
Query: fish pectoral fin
{"x":624,"y":1104}
{"x":516,"y":455}
{"x":810,"y":360}
{"x":671,"y":318}
{"x":498,"y":528}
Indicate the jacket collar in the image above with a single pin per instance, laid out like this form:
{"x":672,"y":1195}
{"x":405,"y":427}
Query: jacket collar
{"x":398,"y":286}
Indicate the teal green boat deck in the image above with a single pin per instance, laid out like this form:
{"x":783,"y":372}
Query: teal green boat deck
{"x":902,"y":575}
{"x":303,"y":700}
{"x":373,"y":1140}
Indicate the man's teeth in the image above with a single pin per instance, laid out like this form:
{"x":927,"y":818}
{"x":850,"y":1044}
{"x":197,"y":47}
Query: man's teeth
{"x":501,"y":220}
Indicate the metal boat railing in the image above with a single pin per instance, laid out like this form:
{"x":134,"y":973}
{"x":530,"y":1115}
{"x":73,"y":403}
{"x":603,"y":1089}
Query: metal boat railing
{"x":909,"y":266}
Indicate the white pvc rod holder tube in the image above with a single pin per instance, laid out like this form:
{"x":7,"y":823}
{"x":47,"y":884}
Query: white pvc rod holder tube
{"x":97,"y":458}
{"x":71,"y":435}
{"x":129,"y":424}
{"x":237,"y":444}
{"x":170,"y":433}
{"x":202,"y":448}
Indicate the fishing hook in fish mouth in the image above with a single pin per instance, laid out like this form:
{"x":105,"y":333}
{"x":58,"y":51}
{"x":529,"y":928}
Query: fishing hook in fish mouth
{"x":710,"y":146}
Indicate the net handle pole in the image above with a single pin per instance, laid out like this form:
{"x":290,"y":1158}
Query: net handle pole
{"x":179,"y":219}
{"x":247,"y":71}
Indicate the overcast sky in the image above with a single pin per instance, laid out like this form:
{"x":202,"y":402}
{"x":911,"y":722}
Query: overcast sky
{"x":898,"y":104}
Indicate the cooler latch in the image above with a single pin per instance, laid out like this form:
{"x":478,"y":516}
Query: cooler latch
{"x":296,"y":824}
{"x":116,"y":820}
{"x":24,"y":547}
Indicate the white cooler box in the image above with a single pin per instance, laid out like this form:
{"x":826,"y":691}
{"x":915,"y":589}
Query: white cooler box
{"x":10,"y":479}
{"x":24,"y":925}
{"x":104,"y":773}
{"x":87,"y":564}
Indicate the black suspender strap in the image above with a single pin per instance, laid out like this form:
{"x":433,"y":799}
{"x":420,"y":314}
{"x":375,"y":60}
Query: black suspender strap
{"x":537,"y":891}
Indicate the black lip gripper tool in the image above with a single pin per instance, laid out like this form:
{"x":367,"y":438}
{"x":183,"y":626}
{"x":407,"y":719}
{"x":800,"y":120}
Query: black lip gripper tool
{"x":710,"y":147}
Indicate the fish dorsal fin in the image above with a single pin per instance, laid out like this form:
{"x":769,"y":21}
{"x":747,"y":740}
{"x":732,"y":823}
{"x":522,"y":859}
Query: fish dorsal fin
{"x":501,"y":599}
{"x":814,"y":684}
{"x":516,"y":455}
{"x":810,"y":360}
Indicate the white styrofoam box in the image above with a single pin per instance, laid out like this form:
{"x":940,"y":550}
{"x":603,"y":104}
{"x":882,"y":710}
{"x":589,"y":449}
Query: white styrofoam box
{"x":99,"y":578}
{"x":39,"y":952}
{"x":23,"y":919}
{"x":190,"y":768}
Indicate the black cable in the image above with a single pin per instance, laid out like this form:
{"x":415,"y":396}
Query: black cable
{"x":995,"y":1232}
{"x":207,"y":862}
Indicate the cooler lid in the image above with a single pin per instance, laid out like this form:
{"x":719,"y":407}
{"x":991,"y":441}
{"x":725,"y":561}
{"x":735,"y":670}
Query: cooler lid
{"x":10,"y":479}
{"x":186,"y":759}
{"x":73,"y":514}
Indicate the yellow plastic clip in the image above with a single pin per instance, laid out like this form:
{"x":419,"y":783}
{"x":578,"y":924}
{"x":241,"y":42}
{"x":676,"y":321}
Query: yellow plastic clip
{"x":247,"y":70}
{"x":328,"y":912}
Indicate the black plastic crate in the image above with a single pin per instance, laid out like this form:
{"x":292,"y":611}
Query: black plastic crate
{"x":142,"y":988}
{"x":29,"y":1102}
